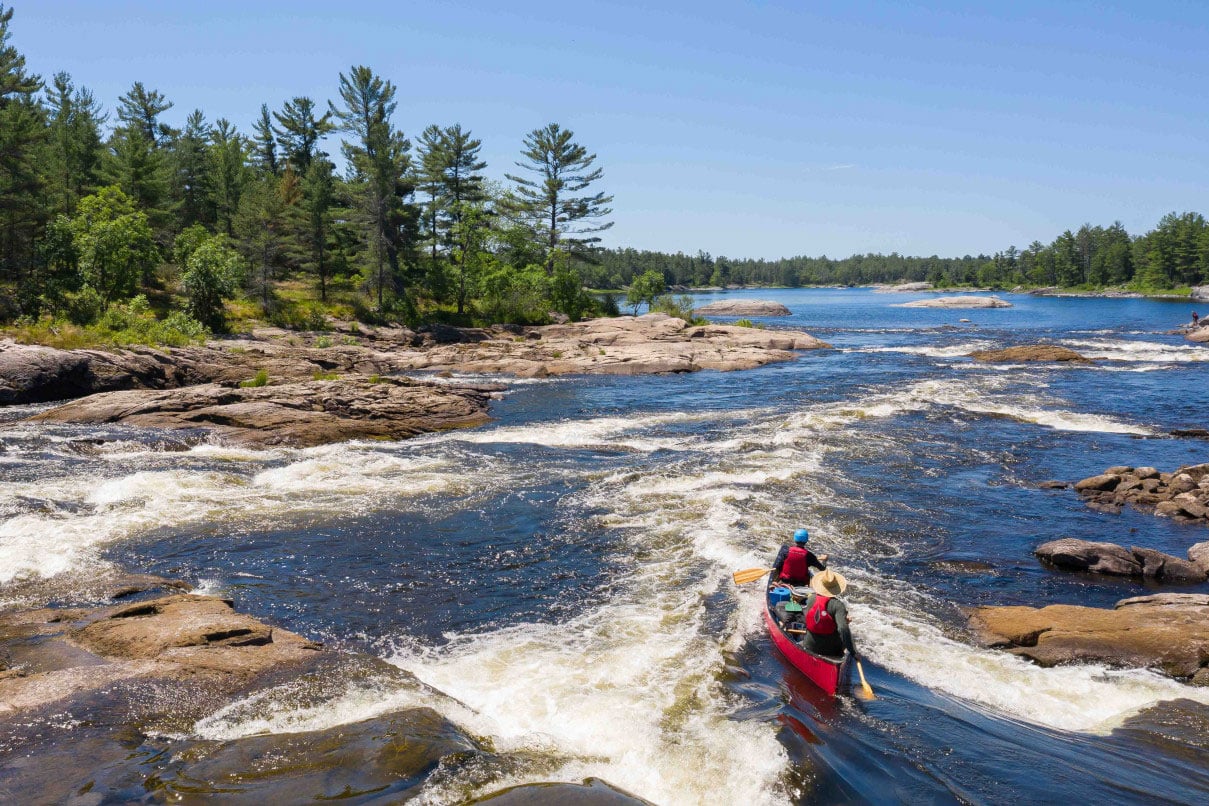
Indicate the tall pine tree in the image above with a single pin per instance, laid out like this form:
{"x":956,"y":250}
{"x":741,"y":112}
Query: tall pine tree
{"x":553,"y":202}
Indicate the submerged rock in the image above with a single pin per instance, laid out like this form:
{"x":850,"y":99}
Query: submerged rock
{"x":1032,"y":352}
{"x":742,"y":307}
{"x":1168,"y":632}
{"x":959,"y":302}
{"x":592,"y":792}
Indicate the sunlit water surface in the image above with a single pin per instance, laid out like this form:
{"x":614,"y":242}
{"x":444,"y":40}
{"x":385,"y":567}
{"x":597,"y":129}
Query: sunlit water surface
{"x":564,"y":573}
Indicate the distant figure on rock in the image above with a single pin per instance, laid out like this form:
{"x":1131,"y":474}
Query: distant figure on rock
{"x":793,"y":563}
{"x":826,"y":617}
{"x":1195,"y":320}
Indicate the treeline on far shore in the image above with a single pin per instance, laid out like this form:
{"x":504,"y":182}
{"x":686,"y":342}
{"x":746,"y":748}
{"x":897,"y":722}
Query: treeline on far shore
{"x":1173,"y":255}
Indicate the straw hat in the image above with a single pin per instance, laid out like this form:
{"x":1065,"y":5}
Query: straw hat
{"x":828,"y":583}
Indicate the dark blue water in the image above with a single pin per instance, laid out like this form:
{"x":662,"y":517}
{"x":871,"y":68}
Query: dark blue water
{"x":574,"y":556}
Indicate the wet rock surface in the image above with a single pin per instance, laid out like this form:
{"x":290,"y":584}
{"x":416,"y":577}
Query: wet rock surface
{"x":1049,"y":353}
{"x":100,"y":705}
{"x":593,"y":792}
{"x":1182,"y":495}
{"x":295,"y":414}
{"x":742,"y":307}
{"x":1070,"y":554}
{"x":1168,"y":632}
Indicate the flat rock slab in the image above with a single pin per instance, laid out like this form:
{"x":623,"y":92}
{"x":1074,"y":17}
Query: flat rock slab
{"x":959,"y":302}
{"x":1048,"y":353}
{"x":1167,"y":632}
{"x":902,"y":287}
{"x":298,"y":414}
{"x":742,"y":307}
{"x":60,"y":653}
{"x":654,"y":343}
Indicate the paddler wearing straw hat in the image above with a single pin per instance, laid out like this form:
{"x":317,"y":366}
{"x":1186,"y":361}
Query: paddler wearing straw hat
{"x":826,"y":616}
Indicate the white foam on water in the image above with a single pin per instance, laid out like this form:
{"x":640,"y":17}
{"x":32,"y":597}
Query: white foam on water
{"x":1082,"y":697}
{"x":611,"y":432}
{"x":626,"y":692}
{"x":330,"y":480}
{"x":1144,"y":351}
{"x":933,"y":351}
{"x":277,"y":710}
{"x":984,"y":398}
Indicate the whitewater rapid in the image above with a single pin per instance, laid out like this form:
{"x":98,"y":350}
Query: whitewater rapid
{"x":630,"y":689}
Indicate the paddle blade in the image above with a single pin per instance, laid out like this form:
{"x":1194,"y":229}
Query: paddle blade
{"x":866,"y":689}
{"x":750,"y":575}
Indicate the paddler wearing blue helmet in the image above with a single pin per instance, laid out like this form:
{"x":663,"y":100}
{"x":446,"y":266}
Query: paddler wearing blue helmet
{"x":793,"y":563}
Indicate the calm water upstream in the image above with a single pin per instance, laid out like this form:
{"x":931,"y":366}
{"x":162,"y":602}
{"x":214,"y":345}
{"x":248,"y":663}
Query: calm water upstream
{"x":564,"y":573}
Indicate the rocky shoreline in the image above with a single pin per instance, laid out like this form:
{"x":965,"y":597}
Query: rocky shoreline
{"x":111,"y":679}
{"x":279,"y":387}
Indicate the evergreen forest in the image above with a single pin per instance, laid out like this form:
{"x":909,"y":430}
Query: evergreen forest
{"x":137,"y":222}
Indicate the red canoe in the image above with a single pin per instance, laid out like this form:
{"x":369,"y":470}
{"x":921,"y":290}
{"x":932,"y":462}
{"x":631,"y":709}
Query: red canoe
{"x":825,"y":672}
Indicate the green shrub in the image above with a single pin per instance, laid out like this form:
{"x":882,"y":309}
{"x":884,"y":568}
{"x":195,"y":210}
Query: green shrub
{"x":743,"y":323}
{"x":83,"y":307}
{"x":325,"y":376}
{"x":323,"y":342}
{"x":681,"y":307}
{"x":261,"y":379}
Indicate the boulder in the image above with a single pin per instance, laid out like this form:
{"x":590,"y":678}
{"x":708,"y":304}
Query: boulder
{"x":1071,"y":554}
{"x":1162,"y":567}
{"x":1105,"y":481}
{"x":1200,"y":293}
{"x":742,"y":307}
{"x":1049,"y":353}
{"x":959,"y":302}
{"x":1198,"y":555}
{"x":1167,"y":632}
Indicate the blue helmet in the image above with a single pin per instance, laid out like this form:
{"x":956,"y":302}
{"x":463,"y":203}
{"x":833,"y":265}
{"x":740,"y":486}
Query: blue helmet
{"x":801,"y":536}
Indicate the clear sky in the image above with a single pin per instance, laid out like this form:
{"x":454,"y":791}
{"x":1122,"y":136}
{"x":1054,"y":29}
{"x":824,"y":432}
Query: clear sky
{"x":747,"y":129}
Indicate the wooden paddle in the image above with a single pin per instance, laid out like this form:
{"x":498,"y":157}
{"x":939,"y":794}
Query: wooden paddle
{"x":750,"y":575}
{"x":865,"y":687}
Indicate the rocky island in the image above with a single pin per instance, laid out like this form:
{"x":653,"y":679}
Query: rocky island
{"x":278,"y":387}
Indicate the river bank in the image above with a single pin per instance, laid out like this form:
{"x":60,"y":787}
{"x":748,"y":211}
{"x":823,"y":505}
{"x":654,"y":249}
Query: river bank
{"x":302,"y":389}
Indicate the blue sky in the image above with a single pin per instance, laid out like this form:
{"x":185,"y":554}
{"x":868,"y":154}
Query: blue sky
{"x":748,"y":129}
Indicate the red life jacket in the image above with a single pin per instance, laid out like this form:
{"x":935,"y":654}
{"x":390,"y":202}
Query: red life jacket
{"x":818,"y":620}
{"x":795,"y":568}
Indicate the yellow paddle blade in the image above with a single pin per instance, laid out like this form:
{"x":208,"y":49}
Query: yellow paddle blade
{"x":866,"y":689}
{"x":750,"y":575}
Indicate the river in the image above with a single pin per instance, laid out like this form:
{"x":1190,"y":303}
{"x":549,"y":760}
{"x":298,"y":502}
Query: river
{"x":559,"y":580}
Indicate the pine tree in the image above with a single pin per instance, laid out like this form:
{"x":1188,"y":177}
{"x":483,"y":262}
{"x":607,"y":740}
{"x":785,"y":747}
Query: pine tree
{"x":23,"y":134}
{"x":431,"y":181}
{"x":318,"y":198}
{"x":264,"y":149}
{"x":300,"y":132}
{"x":193,"y":174}
{"x":379,"y":164}
{"x":75,"y":143}
{"x":229,"y":172}
{"x":263,"y":229}
{"x":139,"y":109}
{"x":557,"y":215}
{"x":135,"y":160}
